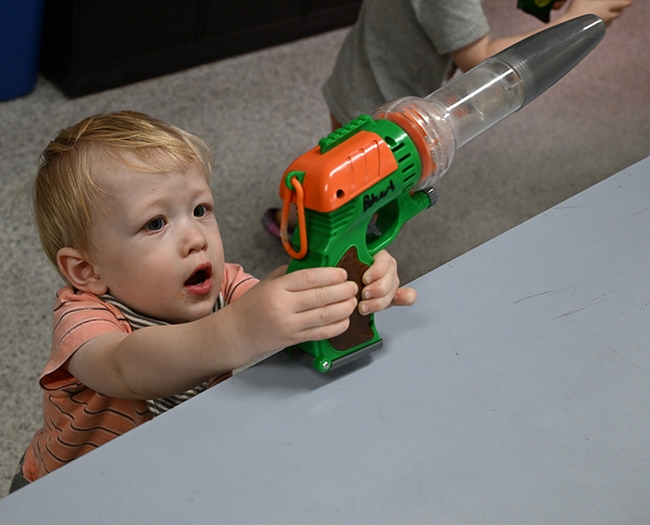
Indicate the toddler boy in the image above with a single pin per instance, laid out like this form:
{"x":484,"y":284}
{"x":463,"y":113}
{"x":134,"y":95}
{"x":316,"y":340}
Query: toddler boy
{"x":151,"y":313}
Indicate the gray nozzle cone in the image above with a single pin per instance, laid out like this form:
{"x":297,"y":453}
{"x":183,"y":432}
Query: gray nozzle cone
{"x":544,"y":58}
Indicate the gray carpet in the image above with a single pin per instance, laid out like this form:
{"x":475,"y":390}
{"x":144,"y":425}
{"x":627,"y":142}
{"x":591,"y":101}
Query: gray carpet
{"x":260,"y":111}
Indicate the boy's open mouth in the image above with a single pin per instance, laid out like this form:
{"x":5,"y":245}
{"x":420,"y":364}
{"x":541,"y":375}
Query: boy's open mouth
{"x":200,"y":275}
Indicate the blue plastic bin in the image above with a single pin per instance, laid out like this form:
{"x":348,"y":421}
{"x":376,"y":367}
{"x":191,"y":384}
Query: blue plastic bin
{"x":21,"y":22}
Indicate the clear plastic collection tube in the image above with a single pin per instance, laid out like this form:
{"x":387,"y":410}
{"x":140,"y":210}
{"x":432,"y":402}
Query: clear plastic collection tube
{"x":475,"y":101}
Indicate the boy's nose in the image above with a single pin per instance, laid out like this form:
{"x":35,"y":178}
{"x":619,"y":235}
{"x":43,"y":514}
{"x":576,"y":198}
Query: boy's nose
{"x":193,"y":239}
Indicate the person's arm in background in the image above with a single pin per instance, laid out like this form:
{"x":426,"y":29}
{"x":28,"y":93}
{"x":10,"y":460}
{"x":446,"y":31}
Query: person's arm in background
{"x":473,"y":54}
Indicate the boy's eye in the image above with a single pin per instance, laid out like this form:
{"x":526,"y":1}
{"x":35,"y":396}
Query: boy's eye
{"x":200,"y":210}
{"x":155,"y":224}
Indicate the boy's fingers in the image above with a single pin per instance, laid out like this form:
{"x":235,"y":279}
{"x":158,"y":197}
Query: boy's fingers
{"x":369,"y":306}
{"x":380,"y":267}
{"x":382,"y":286}
{"x":314,"y":278}
{"x":327,"y":331}
{"x":324,"y":296}
{"x":314,"y":288}
{"x":405,"y":297}
{"x":332,"y":313}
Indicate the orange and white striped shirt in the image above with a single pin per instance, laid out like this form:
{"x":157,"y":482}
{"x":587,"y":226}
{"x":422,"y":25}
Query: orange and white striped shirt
{"x":76,"y":418}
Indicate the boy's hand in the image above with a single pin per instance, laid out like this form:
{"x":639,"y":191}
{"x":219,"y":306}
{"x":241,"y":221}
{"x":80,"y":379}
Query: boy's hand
{"x":312,"y":304}
{"x":381,"y":288}
{"x":286,"y":309}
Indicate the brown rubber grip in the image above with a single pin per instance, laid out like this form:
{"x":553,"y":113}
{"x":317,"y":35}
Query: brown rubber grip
{"x":360,"y":330}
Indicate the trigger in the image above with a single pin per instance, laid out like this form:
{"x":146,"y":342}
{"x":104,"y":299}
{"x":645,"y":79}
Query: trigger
{"x":373,"y":229}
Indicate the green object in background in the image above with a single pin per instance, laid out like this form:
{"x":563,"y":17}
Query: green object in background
{"x":538,"y":8}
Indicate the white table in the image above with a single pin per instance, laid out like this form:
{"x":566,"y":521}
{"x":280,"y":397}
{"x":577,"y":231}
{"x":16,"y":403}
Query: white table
{"x":517,"y":390}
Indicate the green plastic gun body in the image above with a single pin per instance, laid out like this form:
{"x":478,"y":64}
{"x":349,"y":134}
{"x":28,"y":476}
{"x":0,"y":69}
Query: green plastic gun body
{"x":363,"y":175}
{"x":355,"y":191}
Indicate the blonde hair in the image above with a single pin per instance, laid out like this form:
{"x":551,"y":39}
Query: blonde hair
{"x":64,"y":191}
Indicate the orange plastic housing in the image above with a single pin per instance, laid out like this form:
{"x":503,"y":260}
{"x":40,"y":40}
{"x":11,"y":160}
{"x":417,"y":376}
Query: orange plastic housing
{"x":339,"y":175}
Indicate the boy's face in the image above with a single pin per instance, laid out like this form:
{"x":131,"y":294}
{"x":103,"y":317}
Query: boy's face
{"x":155,"y":241}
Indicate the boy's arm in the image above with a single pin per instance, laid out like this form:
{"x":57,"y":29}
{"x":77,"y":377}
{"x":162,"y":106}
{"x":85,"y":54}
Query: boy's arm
{"x":473,"y":54}
{"x":280,"y":311}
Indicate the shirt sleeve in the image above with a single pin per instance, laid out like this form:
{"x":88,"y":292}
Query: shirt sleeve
{"x":78,"y":318}
{"x":236,"y":282}
{"x":451,"y":25}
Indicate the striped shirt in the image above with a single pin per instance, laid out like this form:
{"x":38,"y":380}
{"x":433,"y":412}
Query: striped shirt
{"x":76,"y":419}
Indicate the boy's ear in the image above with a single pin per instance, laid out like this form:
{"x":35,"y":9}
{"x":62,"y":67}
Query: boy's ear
{"x":79,"y":271}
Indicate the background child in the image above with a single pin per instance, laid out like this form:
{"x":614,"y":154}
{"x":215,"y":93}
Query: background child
{"x":152,"y":314}
{"x":400,"y":48}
